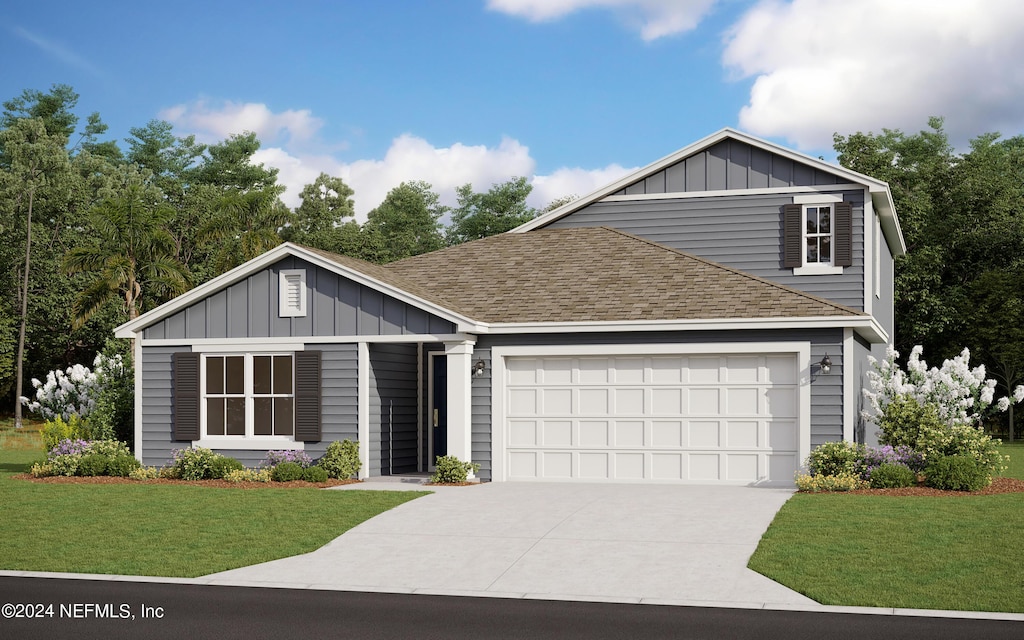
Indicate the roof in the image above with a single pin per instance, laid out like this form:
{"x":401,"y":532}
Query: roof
{"x":598,"y":274}
{"x":881,"y":196}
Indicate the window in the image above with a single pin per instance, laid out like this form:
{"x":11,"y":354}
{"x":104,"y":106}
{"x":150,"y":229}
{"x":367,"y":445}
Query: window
{"x":818,"y":234}
{"x":292,"y":293}
{"x":249,"y":395}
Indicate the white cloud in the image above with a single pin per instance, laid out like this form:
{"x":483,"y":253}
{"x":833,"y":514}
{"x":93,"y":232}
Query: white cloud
{"x":214,"y":122}
{"x":822,"y":66}
{"x":573,"y":181}
{"x":653,"y":18}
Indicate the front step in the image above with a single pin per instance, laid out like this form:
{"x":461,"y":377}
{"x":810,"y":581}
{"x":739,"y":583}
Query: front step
{"x":403,"y":478}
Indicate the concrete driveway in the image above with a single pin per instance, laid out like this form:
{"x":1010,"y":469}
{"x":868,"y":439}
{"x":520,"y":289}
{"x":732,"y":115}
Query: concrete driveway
{"x":598,"y":542}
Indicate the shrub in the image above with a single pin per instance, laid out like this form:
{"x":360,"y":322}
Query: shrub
{"x":56,"y":430}
{"x":114,"y":412}
{"x":957,"y":473}
{"x":198,"y":464}
{"x":286,"y":472}
{"x":144,"y":473}
{"x":92,"y":464}
{"x":222,"y":466}
{"x":122,"y":466}
{"x":314,"y":474}
{"x":41,"y":470}
{"x":248,"y":475}
{"x":835,"y":458}
{"x":274,"y":458}
{"x":892,"y":476}
{"x":842,"y":482}
{"x":341,"y":459}
{"x":874,"y":457}
{"x":451,"y":470}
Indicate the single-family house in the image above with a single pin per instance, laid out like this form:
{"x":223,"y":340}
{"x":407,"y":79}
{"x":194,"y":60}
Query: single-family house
{"x":706,"y":319}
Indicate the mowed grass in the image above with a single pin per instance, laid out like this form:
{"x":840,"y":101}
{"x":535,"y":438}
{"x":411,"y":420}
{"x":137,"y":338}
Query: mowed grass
{"x":165,"y":530}
{"x":958,"y":553}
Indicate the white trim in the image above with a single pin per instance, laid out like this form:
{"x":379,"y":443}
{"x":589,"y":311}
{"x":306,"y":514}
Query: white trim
{"x":878,"y":260}
{"x":681,"y":195}
{"x":822,"y":198}
{"x":872,"y":239}
{"x":363,"y":408}
{"x":137,"y":370}
{"x":286,"y":278}
{"x":419,"y":406}
{"x":849,"y":372}
{"x":248,"y":395}
{"x":218,"y":348}
{"x":802,"y":351}
{"x":817,"y":270}
{"x":249,"y":444}
{"x":459,"y":440}
{"x":296,"y":343}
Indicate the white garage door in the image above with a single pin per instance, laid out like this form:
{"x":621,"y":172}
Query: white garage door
{"x":702,"y":419}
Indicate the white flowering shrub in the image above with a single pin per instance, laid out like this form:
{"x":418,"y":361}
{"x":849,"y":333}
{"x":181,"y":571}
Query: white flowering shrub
{"x":75,"y":390}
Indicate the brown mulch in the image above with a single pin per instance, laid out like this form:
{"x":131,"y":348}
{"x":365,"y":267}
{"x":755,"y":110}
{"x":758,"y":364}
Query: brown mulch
{"x":220,"y":484}
{"x":999,"y":485}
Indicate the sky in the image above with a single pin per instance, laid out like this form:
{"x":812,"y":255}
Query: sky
{"x":572,"y":94}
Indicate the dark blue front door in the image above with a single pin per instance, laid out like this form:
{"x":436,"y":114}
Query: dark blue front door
{"x":440,"y":417}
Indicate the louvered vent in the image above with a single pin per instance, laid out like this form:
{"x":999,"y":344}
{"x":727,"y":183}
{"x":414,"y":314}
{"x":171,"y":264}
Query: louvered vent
{"x":292,"y":293}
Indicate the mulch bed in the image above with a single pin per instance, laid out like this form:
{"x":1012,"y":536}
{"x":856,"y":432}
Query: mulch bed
{"x":220,"y":484}
{"x":999,"y":485}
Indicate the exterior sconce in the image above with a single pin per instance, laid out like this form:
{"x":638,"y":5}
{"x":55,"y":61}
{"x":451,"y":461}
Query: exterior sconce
{"x":478,"y":368}
{"x":826,"y":365}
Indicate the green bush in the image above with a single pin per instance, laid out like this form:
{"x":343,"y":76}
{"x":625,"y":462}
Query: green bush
{"x":56,"y":429}
{"x":122,"y":466}
{"x":222,"y":466}
{"x":286,"y":472}
{"x":957,"y":473}
{"x":839,"y":482}
{"x":341,"y":459}
{"x":314,"y":474}
{"x":199,"y":464}
{"x":248,"y":475}
{"x":114,"y":412}
{"x":92,"y":464}
{"x":835,"y":459}
{"x":451,"y":470}
{"x":892,"y":476}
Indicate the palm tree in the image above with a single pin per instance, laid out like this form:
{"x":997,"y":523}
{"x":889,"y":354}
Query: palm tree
{"x":246,"y":225}
{"x":130,"y":253}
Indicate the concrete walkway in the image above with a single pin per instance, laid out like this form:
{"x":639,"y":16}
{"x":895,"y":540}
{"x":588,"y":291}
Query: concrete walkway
{"x":597,"y":542}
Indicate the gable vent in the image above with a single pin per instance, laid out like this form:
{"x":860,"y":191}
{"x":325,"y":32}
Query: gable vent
{"x":292,"y":293}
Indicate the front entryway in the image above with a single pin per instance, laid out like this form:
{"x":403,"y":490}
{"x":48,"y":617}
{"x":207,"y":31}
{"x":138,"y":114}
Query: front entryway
{"x":438,"y":410}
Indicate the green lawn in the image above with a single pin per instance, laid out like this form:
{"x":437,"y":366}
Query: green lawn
{"x":918,"y":552}
{"x":165,"y":530}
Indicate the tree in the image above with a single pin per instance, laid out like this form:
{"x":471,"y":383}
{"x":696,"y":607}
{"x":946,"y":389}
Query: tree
{"x":326,"y":202}
{"x":245,"y":225}
{"x":34,"y":159}
{"x":156,"y":148}
{"x":228,"y":165}
{"x":408,"y":221}
{"x":130,"y":253}
{"x":479,"y":215}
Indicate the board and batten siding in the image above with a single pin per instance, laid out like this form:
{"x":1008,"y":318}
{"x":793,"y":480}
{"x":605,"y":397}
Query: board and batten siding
{"x":730,"y":164}
{"x":826,"y":391}
{"x":338,"y":393}
{"x":394,"y":430}
{"x":741,"y":231}
{"x":336,"y":306}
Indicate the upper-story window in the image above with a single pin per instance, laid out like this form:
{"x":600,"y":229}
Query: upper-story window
{"x":818,"y":234}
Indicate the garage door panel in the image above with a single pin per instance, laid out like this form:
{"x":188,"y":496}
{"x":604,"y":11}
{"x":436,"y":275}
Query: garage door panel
{"x":707,"y":418}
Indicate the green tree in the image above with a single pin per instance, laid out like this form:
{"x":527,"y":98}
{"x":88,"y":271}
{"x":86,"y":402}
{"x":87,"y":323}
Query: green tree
{"x":168,"y":157}
{"x":479,"y":215}
{"x":408,"y":221}
{"x":245,"y":225}
{"x":229,"y":165}
{"x":130,"y":254}
{"x":326,"y":202}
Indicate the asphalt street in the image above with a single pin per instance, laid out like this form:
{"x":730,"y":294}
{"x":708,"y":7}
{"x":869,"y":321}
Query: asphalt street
{"x":81,"y":609}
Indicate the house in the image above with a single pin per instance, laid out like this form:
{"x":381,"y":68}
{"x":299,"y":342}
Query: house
{"x":706,"y":319}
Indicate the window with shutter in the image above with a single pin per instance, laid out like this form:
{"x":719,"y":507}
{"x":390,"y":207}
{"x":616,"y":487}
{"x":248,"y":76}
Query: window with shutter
{"x":292,"y":293}
{"x":818,"y":235}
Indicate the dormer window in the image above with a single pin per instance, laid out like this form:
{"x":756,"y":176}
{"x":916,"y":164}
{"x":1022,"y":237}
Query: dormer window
{"x":292,"y":293}
{"x":818,"y":234}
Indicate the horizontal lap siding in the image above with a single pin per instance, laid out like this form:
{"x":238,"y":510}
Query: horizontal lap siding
{"x":394,"y":430}
{"x":480,"y":412}
{"x":335,"y":306}
{"x":157,"y":406}
{"x":743,"y":232}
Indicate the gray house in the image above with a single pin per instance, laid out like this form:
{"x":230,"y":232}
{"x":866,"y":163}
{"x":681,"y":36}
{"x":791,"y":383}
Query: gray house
{"x":706,"y":319}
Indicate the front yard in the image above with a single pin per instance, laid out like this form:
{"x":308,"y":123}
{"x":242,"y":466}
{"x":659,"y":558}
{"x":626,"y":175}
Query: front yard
{"x":163,"y":530}
{"x":960,"y":552}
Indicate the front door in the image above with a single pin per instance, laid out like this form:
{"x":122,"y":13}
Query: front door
{"x":439,"y":408}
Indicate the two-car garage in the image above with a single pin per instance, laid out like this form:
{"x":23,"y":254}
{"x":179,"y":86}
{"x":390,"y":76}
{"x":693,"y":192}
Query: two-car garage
{"x":733,"y":416}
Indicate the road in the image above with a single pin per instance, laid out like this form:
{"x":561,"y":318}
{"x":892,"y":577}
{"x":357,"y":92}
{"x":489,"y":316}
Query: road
{"x":83,"y":609}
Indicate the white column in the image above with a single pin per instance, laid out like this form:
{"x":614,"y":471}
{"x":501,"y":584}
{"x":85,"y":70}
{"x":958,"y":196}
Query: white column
{"x":363,"y":408}
{"x":459,"y":360}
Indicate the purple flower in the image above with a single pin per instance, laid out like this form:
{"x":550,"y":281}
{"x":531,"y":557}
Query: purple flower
{"x":68,"y":447}
{"x":274,"y":458}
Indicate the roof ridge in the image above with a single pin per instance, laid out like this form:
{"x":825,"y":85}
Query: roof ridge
{"x":739,"y":272}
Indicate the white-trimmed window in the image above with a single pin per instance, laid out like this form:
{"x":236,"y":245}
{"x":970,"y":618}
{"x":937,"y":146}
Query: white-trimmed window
{"x":818,"y":234}
{"x":248,"y":395}
{"x":292,"y":293}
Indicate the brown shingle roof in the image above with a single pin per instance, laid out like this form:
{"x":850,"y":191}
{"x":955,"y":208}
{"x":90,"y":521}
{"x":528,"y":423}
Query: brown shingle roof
{"x":592,"y":274}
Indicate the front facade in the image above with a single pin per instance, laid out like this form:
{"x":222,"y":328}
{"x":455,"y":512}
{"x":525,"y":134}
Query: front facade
{"x":670,"y":327}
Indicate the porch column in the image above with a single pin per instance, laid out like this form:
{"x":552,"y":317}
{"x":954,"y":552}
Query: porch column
{"x":459,"y":360}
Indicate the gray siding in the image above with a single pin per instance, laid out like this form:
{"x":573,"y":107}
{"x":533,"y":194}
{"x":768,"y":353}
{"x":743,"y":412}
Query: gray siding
{"x":742,"y":231}
{"x":826,"y":391}
{"x":340,"y":417}
{"x":393,"y":422}
{"x":335,"y":306}
{"x":730,"y":164}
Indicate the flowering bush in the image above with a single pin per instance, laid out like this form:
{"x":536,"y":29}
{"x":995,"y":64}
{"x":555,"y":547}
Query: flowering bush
{"x":144,"y":473}
{"x":76,"y":390}
{"x":841,"y":482}
{"x":341,"y":460}
{"x":274,"y":458}
{"x":248,"y":475}
{"x":201,"y":464}
{"x":82,"y":457}
{"x":873,"y":458}
{"x":835,"y":458}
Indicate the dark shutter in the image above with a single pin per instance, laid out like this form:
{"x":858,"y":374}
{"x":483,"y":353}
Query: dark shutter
{"x":844,"y":235}
{"x":185,"y":396}
{"x":307,"y":396}
{"x":792,"y":236}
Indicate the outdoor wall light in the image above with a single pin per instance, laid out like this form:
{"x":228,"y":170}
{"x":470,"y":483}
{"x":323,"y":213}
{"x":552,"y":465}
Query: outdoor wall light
{"x":478,"y":368}
{"x":826,"y":365}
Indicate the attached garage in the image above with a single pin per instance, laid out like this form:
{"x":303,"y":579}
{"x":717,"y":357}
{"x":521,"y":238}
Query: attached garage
{"x":734,"y":416}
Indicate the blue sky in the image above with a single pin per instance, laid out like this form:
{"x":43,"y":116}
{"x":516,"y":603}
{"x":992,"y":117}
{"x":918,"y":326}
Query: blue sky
{"x":571,"y":93}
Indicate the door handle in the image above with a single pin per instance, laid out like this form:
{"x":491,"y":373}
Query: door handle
{"x":435,"y":417}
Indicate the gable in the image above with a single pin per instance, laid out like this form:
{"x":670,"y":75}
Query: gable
{"x":335,"y":306}
{"x":728,"y":165}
